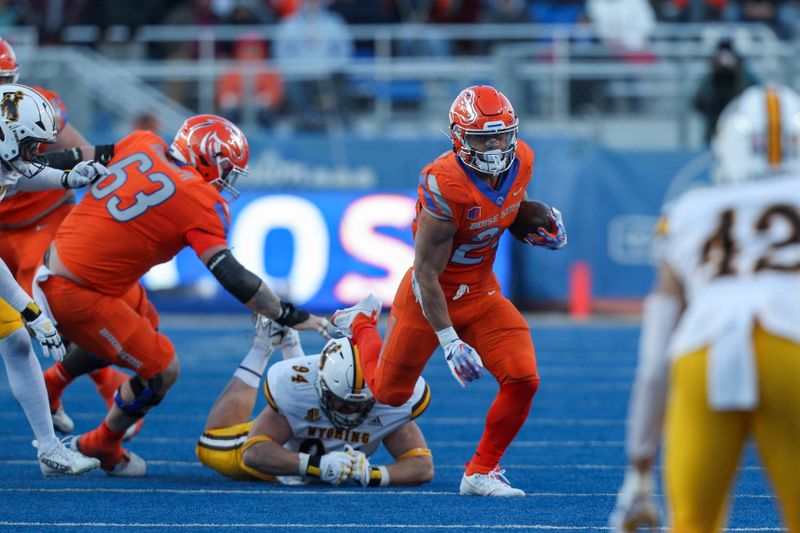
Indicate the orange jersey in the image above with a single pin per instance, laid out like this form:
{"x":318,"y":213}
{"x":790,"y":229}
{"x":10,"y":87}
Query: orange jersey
{"x":450,"y":190}
{"x":144,"y":213}
{"x":24,"y":208}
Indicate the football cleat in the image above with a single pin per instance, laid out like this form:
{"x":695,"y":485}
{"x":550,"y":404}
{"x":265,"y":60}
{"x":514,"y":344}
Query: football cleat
{"x":268,"y":334}
{"x":342,"y":319}
{"x":62,"y":461}
{"x":492,"y":484}
{"x":117,"y":462}
{"x":62,"y":421}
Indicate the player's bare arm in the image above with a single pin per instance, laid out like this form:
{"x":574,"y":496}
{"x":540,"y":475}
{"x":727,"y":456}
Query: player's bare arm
{"x":432,"y":247}
{"x":268,"y":456}
{"x":414,"y":461}
{"x":255,"y":294}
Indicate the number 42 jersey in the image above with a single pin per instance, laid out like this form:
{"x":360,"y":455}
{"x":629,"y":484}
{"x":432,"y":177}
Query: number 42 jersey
{"x":143,"y":214}
{"x":736,"y":251}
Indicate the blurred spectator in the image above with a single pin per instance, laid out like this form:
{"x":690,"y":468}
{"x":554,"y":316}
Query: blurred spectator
{"x":506,"y":12}
{"x":250,"y":85}
{"x":780,"y":15}
{"x":727,"y":78}
{"x":285,"y":8}
{"x":365,"y":11}
{"x":692,"y":10}
{"x":312,"y":47}
{"x":9,"y":15}
{"x":623,"y":25}
{"x":145,"y":120}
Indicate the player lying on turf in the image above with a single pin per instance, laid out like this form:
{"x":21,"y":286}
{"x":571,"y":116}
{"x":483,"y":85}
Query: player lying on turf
{"x":321,"y":425}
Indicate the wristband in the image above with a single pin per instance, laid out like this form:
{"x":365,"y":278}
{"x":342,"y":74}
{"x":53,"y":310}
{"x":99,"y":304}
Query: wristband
{"x":447,"y":335}
{"x":103,"y":153}
{"x":290,"y":316}
{"x":378,"y":476}
{"x":31,"y":312}
{"x":309,"y":465}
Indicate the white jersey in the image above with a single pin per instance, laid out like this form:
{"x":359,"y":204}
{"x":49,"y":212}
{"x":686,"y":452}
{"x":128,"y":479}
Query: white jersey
{"x":290,"y":390}
{"x":736,"y":250}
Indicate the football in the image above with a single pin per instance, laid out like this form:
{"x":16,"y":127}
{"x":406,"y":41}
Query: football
{"x":531,"y":216}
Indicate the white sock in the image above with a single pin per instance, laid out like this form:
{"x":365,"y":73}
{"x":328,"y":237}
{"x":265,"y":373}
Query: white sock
{"x":252,"y":367}
{"x":27,"y":384}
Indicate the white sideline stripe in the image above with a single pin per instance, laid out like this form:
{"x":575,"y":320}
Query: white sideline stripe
{"x":307,"y":526}
{"x":339,"y":526}
{"x":318,"y":492}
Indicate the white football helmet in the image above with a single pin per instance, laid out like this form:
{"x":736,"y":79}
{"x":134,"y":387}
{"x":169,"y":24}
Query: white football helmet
{"x":343,"y":394}
{"x":758,"y":135}
{"x":29,"y":116}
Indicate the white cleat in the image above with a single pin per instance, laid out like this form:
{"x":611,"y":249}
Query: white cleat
{"x":342,"y":319}
{"x":268,"y":334}
{"x":290,"y":345}
{"x":61,"y":421}
{"x":62,"y":461}
{"x":132,"y":465}
{"x":492,"y":484}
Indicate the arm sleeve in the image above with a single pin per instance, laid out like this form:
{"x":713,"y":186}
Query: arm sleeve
{"x":48,"y":178}
{"x":10,"y":291}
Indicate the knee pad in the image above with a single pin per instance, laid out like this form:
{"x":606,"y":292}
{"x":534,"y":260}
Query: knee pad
{"x":144,"y":396}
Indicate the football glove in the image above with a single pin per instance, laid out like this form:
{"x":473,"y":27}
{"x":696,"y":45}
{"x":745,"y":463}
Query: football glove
{"x":464,"y":362}
{"x":636,"y":505}
{"x":361,"y":466}
{"x":83,"y":174}
{"x":552,"y":240}
{"x":46,"y":334}
{"x":335,"y":467}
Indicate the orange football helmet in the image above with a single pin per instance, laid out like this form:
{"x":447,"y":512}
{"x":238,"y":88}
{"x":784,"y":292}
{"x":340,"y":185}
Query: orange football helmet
{"x":214,"y":146}
{"x":9,"y":70}
{"x":483,"y":128}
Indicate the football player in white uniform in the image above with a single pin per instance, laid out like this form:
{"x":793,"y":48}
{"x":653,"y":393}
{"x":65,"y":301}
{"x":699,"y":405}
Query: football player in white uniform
{"x":26,"y":120}
{"x":321,"y":425}
{"x":719,"y":356}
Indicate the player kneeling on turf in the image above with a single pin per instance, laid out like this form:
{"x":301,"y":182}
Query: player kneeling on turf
{"x":321,"y":425}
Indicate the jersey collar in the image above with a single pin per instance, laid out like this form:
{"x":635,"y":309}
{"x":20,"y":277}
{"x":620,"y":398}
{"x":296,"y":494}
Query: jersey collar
{"x":507,"y":178}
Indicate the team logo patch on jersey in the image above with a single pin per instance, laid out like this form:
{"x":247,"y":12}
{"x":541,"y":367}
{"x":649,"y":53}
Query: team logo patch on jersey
{"x":474,"y":213}
{"x":500,"y":200}
{"x":375,"y":421}
{"x":312,"y":415}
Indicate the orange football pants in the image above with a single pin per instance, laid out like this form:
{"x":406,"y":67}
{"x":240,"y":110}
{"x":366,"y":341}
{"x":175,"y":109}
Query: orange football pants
{"x":122,"y":330}
{"x":22,"y":248}
{"x":482,"y":317}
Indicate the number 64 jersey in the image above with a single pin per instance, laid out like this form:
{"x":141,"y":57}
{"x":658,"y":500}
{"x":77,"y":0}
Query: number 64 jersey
{"x":143,"y":214}
{"x":736,"y":251}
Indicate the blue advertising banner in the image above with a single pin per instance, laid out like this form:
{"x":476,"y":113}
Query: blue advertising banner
{"x":321,"y":250}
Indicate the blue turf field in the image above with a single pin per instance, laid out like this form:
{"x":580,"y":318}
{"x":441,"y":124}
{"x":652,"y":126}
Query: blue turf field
{"x":569,"y":456}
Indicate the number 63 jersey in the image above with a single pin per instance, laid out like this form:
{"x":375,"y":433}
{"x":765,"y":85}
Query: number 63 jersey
{"x":736,"y":250}
{"x":143,"y":214}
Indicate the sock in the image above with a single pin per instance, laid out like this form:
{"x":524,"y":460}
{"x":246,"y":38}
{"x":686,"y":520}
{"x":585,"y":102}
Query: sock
{"x":369,"y":342}
{"x":503,"y":421}
{"x":56,"y":379}
{"x":103,"y":443}
{"x":27,"y":385}
{"x":108,"y":380}
{"x":252,"y":367}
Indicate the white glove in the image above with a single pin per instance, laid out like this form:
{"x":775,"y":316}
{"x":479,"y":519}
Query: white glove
{"x":549,"y":239}
{"x":464,"y":362}
{"x":335,"y":467}
{"x":83,"y":174}
{"x":361,"y":466}
{"x":636,"y":504}
{"x":47,"y":335}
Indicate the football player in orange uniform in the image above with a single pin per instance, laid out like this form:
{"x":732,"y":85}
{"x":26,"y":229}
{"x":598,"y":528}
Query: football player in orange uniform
{"x":159,"y":199}
{"x":29,"y":219}
{"x":467,"y":198}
